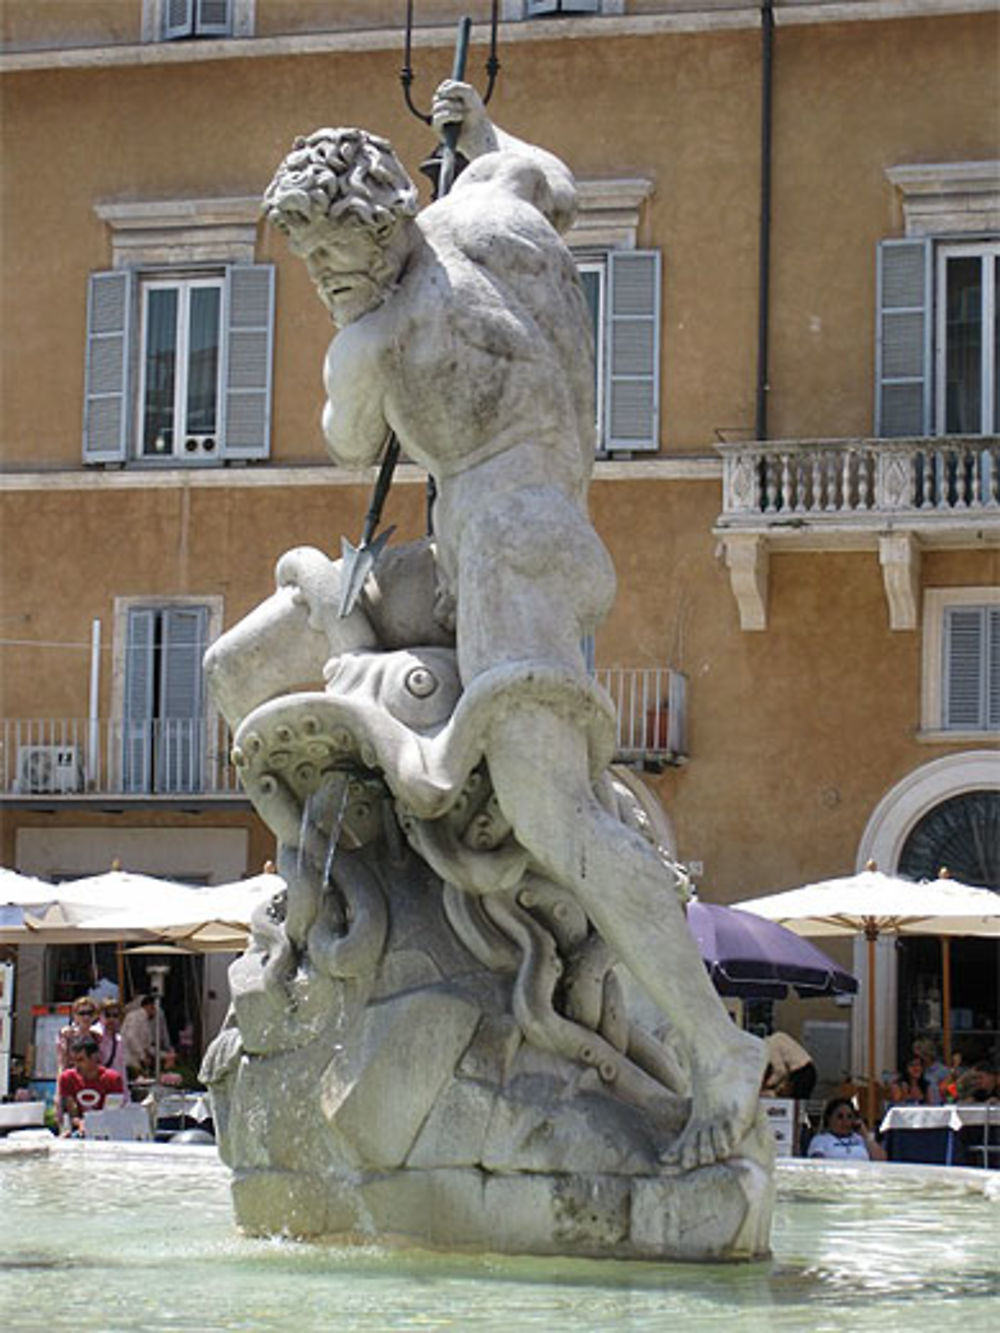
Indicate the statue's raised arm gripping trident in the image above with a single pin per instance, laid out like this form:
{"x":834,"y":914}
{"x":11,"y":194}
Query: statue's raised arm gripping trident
{"x":455,"y":684}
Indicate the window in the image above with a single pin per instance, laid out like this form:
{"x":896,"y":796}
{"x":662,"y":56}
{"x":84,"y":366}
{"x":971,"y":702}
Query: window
{"x":961,"y":661}
{"x":163,"y":724}
{"x":622,"y":288}
{"x":544,"y":8}
{"x":196,"y":18}
{"x":179,"y":385}
{"x":968,"y":342}
{"x":197,"y":347}
{"x":937,"y":340}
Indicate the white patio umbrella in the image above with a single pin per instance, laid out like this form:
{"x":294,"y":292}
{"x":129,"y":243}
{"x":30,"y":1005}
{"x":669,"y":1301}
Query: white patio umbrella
{"x":16,"y":888}
{"x":203,"y":920}
{"x":79,"y":911}
{"x":871,"y":903}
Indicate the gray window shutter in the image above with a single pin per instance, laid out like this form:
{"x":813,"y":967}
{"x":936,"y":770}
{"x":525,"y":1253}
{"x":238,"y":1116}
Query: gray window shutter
{"x":632,"y":363}
{"x":993,"y":669}
{"x":107,"y":412}
{"x":137,"y":720}
{"x":181,"y":744}
{"x":213,"y":18}
{"x":967,"y":643}
{"x":903,"y":339}
{"x":178,"y":19}
{"x":247,"y":356}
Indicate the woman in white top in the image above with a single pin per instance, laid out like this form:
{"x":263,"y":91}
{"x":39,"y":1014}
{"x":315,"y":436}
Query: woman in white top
{"x":844,"y":1136}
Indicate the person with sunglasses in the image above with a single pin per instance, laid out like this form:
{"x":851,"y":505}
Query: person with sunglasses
{"x":844,"y":1136}
{"x":82,"y":1023}
{"x":111,"y":1048}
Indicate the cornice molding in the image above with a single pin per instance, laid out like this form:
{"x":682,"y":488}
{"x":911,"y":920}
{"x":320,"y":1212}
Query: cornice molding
{"x":602,"y":28}
{"x":680,"y":467}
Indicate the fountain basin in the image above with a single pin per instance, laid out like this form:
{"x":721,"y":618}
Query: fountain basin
{"x":135,"y":1236}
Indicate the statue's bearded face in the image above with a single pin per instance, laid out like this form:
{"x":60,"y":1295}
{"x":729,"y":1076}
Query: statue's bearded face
{"x":350,"y":265}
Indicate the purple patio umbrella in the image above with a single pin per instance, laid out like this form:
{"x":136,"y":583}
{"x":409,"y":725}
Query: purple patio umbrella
{"x":752,"y":958}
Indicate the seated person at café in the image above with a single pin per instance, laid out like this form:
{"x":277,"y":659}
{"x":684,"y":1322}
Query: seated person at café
{"x":844,"y":1136}
{"x":980,"y":1084}
{"x":82,"y":1023}
{"x":790,"y":1071}
{"x":911,"y":1087}
{"x":139,"y":1038}
{"x":936,"y":1071}
{"x":84,"y":1087}
{"x":111,"y":1052}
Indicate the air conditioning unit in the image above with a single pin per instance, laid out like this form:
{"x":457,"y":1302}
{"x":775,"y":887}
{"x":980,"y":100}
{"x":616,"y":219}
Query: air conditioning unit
{"x":48,"y":769}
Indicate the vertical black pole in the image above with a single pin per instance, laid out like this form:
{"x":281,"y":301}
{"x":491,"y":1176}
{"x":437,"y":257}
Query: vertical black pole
{"x":764,"y":256}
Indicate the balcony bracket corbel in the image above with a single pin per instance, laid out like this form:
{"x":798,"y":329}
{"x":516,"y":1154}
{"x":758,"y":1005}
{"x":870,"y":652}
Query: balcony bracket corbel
{"x":747,"y":558}
{"x":899,"y":556}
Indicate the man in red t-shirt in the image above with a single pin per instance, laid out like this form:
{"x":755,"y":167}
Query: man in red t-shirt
{"x":84,"y":1087}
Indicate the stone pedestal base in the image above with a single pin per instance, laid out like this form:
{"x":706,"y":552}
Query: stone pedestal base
{"x":720,"y":1212}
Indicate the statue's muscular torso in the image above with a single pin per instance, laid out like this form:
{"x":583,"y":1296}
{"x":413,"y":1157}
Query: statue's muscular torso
{"x":485,"y":344}
{"x":481,"y":361}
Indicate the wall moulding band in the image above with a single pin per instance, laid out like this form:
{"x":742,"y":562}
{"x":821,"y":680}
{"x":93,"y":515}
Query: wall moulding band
{"x":706,"y":17}
{"x":940,"y":198}
{"x":171,"y":231}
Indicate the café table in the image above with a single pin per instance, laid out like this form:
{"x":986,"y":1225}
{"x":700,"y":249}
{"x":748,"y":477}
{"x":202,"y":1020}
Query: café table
{"x":934,"y":1133}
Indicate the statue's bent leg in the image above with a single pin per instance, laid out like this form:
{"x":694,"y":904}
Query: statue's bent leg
{"x":538,"y":763}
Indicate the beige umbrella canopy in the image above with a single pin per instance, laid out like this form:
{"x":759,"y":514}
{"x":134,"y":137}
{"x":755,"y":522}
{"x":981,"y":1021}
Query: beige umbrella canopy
{"x":207,"y":920}
{"x":79,"y":911}
{"x":871,"y":904}
{"x":125,"y":906}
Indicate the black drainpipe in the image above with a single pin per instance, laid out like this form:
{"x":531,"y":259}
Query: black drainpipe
{"x":764,"y":257}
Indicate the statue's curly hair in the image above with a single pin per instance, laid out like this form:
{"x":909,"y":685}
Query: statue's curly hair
{"x":342,"y":173}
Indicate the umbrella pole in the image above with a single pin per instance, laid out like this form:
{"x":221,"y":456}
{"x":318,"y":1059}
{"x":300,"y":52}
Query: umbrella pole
{"x":946,"y":997}
{"x":871,"y":935}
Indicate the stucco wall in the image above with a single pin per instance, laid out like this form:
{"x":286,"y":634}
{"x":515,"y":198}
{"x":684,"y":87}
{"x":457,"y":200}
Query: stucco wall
{"x":681,"y":109}
{"x":795,"y":734}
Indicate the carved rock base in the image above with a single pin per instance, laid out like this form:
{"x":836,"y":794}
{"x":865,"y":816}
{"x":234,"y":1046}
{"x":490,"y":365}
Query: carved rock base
{"x":714,"y":1213}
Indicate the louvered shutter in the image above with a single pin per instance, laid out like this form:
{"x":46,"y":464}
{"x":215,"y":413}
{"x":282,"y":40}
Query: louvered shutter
{"x":247,"y":358}
{"x":213,"y":18}
{"x":178,"y":19}
{"x":632,"y":362}
{"x":137,"y":720}
{"x":971,"y":687}
{"x":106,"y":410}
{"x":181,"y":744}
{"x":903,"y":345}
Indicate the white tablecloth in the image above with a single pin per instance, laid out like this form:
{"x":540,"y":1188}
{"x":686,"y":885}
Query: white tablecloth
{"x":939,"y":1117}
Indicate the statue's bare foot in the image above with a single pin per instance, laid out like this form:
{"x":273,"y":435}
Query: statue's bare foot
{"x":725,"y":1091}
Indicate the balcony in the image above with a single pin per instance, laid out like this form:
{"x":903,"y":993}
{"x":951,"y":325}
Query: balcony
{"x":74,"y":760}
{"x":895,"y":497}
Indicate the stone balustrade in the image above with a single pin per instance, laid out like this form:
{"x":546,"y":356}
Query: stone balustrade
{"x":816,"y":478}
{"x":896,"y":497}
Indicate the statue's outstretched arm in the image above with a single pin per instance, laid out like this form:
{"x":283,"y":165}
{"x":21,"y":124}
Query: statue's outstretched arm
{"x":497,"y":157}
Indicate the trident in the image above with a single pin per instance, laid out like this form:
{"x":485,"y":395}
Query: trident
{"x":358,"y":561}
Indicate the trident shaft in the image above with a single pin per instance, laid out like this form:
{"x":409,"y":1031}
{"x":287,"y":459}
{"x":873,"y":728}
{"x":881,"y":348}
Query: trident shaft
{"x":358,"y":561}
